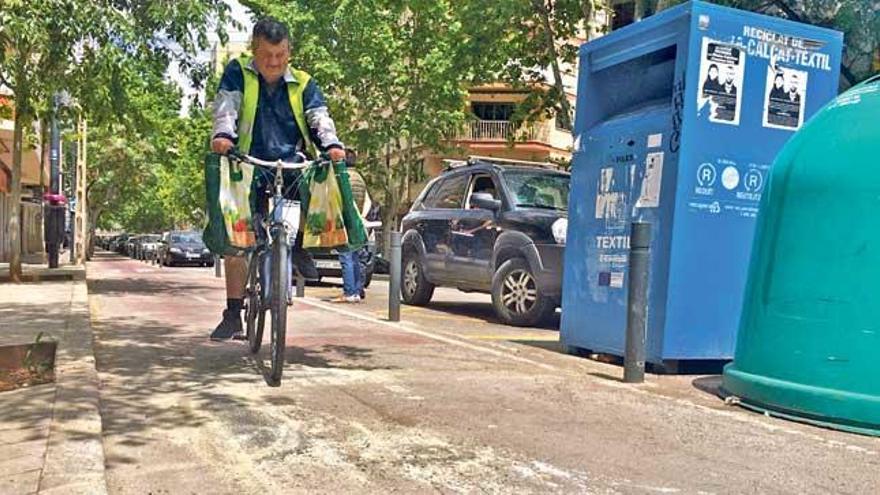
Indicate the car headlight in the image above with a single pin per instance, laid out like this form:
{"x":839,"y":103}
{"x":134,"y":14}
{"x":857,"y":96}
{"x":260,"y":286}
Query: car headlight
{"x":176,"y":250}
{"x":560,"y":229}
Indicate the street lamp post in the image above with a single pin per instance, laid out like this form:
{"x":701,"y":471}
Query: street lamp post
{"x":55,"y":213}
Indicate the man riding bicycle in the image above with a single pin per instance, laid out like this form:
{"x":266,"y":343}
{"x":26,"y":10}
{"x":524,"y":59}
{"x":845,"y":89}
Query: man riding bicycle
{"x":262,"y":107}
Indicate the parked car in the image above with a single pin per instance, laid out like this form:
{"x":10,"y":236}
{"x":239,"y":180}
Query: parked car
{"x":131,"y":246}
{"x":119,"y":243}
{"x":148,"y":246}
{"x":184,"y":248}
{"x":490,"y":226}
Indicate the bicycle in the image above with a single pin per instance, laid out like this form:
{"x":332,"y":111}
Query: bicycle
{"x":268,"y":264}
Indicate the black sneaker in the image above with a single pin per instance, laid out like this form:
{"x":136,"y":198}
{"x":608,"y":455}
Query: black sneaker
{"x":229,"y":327}
{"x":305,"y":265}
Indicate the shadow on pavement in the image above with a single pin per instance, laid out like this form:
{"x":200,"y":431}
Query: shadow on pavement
{"x":709,"y":384}
{"x":26,"y":408}
{"x":162,"y":373}
{"x":547,"y":345}
{"x":329,"y":356}
{"x":143,"y":286}
{"x":484,"y":311}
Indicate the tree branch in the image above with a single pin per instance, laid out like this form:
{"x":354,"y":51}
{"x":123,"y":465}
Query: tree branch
{"x":550,"y":47}
{"x":848,"y":75}
{"x":788,"y":10}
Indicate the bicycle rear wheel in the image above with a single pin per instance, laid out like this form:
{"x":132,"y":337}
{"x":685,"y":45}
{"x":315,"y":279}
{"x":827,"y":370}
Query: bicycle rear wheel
{"x":278,"y":305}
{"x":256,"y":312}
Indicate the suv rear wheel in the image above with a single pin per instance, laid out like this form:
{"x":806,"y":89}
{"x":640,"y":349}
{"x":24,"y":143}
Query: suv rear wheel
{"x":415,"y":289}
{"x":516,"y":297}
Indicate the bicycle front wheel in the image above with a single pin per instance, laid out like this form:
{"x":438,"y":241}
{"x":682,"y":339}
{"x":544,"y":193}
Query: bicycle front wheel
{"x":256,"y":311}
{"x":278,"y":305}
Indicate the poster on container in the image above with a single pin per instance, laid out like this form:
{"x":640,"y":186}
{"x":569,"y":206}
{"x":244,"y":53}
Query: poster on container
{"x":784,"y":98}
{"x":722,"y":69}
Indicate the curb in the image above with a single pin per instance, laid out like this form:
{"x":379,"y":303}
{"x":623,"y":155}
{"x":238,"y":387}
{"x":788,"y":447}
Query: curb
{"x":62,"y":274}
{"x":74,"y":462}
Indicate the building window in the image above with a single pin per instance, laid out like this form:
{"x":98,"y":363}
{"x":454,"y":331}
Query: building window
{"x":624,"y":14}
{"x":493,"y":111}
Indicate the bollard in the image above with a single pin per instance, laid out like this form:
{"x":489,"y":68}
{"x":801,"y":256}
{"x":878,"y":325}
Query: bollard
{"x":218,"y":270}
{"x":394,"y":285}
{"x":300,"y":286}
{"x":637,"y":303}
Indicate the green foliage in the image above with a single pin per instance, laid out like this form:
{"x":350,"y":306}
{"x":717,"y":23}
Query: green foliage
{"x":31,"y":363}
{"x":152,"y":181}
{"x":111,"y":57}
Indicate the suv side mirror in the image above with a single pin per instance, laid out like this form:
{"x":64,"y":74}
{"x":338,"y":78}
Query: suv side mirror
{"x":485,"y":201}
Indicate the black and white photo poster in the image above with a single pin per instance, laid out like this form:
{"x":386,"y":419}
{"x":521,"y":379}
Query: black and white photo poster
{"x":722,"y":69}
{"x":784,"y":98}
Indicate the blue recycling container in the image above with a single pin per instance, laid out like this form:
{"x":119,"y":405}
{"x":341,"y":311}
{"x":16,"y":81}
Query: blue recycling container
{"x":679,"y":118}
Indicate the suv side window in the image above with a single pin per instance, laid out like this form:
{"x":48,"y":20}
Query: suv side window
{"x":449,"y":193}
{"x":482,"y":183}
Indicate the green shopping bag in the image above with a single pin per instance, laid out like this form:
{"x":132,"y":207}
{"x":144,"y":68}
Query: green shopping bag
{"x":324,"y":226}
{"x":351,"y":216}
{"x":228,"y":185}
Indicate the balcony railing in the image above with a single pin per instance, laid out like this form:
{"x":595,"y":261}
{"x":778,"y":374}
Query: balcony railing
{"x":502,"y":130}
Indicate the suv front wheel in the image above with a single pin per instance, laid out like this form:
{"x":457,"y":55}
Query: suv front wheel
{"x":516,"y":297}
{"x":415,"y":289}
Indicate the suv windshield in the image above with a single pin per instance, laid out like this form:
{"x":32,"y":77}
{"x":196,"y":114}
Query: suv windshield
{"x":538,"y":190}
{"x":186,"y":238}
{"x":151,"y":238}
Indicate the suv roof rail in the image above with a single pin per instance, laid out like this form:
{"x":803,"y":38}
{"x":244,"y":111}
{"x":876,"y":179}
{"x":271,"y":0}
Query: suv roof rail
{"x":452,"y":163}
{"x":510,"y":162}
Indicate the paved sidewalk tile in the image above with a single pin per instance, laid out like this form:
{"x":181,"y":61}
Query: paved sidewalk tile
{"x":20,"y":483}
{"x":50,"y":434}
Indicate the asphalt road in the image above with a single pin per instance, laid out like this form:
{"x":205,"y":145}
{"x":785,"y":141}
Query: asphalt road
{"x":447,"y":402}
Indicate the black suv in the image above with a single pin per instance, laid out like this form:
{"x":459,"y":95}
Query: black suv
{"x":490,"y":226}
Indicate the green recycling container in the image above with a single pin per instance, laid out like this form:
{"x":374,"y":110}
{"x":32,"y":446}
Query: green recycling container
{"x":808,"y":346}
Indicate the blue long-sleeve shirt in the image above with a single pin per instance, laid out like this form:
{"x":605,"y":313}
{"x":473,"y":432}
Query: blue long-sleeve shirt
{"x":276,"y":134}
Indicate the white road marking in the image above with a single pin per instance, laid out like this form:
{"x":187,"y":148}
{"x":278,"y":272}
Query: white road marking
{"x":430,"y":335}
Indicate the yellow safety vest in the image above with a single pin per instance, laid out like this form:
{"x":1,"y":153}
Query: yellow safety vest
{"x":248,"y":112}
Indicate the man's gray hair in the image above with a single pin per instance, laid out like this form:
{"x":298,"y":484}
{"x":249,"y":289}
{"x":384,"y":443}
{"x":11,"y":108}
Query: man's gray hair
{"x":271,"y":30}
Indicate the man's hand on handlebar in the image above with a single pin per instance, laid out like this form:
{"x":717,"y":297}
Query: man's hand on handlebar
{"x":336,"y":154}
{"x":221,"y":145}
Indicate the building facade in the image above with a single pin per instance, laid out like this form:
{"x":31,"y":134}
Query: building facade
{"x":33,"y":178}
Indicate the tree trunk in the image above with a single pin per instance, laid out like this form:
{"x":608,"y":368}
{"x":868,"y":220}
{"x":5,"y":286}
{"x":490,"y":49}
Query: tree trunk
{"x":94,"y":214}
{"x":587,"y":9}
{"x":550,"y":46}
{"x":14,"y":228}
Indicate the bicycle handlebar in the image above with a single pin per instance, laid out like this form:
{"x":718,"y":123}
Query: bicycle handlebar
{"x":273,"y":164}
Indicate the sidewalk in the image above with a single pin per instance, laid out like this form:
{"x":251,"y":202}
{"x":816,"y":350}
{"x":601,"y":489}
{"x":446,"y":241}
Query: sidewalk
{"x":51,"y":434}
